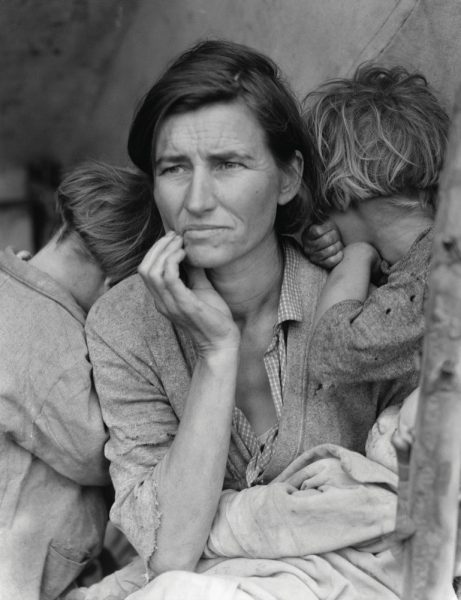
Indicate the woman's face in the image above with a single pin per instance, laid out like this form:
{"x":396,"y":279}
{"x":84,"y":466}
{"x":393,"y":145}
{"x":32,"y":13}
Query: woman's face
{"x":217,"y":184}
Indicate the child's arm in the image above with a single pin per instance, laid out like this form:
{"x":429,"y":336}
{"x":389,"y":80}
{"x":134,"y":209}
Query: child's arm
{"x":322,"y":244}
{"x":376,"y":338}
{"x":350,"y":279}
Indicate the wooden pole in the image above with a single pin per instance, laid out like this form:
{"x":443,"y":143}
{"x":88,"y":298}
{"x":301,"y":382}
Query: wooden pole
{"x":435,"y":464}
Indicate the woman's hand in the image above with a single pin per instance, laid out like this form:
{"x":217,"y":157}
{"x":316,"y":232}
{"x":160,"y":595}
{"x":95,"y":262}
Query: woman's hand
{"x":323,"y":245}
{"x":199,"y":309}
{"x":321,"y":473}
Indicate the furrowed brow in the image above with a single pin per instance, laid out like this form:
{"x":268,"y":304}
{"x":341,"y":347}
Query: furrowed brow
{"x":170,"y":158}
{"x":230,"y":155}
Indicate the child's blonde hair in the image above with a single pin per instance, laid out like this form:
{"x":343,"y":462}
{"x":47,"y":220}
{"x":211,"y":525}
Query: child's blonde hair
{"x":112,"y":213}
{"x":381,"y":133}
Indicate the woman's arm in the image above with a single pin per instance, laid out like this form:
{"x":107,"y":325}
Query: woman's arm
{"x":168,"y":475}
{"x":192,"y":473}
{"x":325,"y":505}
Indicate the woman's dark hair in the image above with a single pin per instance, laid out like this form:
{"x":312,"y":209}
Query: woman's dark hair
{"x":222,"y":71}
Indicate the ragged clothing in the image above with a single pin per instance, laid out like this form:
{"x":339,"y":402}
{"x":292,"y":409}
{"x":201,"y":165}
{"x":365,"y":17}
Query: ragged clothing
{"x":143,"y":365}
{"x":378,"y":339}
{"x":52,"y":510}
{"x":329,"y":498}
{"x":321,"y":531}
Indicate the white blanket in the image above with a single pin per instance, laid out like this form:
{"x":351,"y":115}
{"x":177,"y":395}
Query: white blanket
{"x":321,"y":531}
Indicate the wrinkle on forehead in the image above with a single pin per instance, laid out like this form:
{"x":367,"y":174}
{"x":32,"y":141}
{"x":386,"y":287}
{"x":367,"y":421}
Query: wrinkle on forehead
{"x":218,"y":128}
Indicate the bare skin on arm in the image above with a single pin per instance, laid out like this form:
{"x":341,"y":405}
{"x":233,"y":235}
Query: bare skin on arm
{"x":189,"y":465}
{"x":217,"y":188}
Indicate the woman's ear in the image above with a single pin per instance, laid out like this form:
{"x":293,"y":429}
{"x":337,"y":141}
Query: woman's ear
{"x":291,"y":179}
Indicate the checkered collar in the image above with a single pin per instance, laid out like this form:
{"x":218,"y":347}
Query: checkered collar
{"x":290,"y":305}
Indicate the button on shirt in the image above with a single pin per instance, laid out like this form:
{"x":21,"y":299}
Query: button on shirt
{"x":290,"y":309}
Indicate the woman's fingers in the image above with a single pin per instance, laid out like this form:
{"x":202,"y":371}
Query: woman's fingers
{"x":152,"y":267}
{"x":159,"y":268}
{"x":307,"y":472}
{"x":171,"y":275}
{"x":153,"y":254}
{"x":325,"y":471}
{"x":197,"y":306}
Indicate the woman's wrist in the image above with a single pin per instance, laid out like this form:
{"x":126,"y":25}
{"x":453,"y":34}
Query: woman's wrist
{"x":224,"y":354}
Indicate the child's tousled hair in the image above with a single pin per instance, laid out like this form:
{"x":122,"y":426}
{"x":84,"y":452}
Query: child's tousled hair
{"x":111,"y":213}
{"x":381,"y":133}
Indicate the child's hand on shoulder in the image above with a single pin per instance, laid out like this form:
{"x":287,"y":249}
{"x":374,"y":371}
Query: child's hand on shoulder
{"x":323,"y":245}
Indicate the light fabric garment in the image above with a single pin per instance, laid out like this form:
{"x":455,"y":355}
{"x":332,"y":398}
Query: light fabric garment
{"x":117,"y":586}
{"x":330,"y":515}
{"x":264,"y":539}
{"x":52,"y":511}
{"x":329,"y":498}
{"x":142,"y":368}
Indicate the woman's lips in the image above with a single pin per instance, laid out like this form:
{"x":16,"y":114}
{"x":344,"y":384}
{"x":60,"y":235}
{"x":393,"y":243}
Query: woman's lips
{"x":198,"y":231}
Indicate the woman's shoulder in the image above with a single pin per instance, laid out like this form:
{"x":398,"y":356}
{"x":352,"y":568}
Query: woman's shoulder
{"x":308,"y":275}
{"x":127,"y":307}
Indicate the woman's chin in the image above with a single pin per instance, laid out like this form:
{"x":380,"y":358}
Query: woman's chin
{"x":204,"y":258}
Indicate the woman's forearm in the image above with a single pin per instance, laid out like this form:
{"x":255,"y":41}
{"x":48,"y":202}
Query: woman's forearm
{"x":191,"y":474}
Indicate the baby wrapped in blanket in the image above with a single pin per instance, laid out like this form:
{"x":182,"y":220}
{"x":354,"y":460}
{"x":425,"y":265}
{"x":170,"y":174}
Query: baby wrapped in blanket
{"x":322,"y":530}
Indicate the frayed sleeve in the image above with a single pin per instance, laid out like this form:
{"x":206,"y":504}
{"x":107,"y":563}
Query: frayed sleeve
{"x":141,"y":423}
{"x":375,"y":340}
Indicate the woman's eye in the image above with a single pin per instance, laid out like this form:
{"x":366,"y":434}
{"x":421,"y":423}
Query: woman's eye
{"x":229,"y":165}
{"x":172,"y":170}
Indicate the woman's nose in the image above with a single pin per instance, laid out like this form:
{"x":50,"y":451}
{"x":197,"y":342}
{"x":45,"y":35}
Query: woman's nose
{"x":200,"y":195}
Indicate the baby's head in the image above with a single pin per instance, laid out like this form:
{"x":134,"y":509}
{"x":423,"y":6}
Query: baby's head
{"x":398,"y":419}
{"x":379,"y":446}
{"x":381,"y":133}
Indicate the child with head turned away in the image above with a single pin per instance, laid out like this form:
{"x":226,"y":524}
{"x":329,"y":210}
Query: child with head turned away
{"x":53,"y":471}
{"x":380,"y":140}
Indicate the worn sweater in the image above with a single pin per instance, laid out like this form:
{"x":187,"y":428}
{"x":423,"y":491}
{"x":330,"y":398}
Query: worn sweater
{"x":52,"y":509}
{"x":379,"y":339}
{"x":142,"y":368}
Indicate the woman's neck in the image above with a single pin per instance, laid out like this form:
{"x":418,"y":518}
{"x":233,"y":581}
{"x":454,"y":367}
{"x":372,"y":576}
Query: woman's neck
{"x":251,"y":286}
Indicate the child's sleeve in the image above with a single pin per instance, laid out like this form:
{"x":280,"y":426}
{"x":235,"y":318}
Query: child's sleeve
{"x":375,"y":340}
